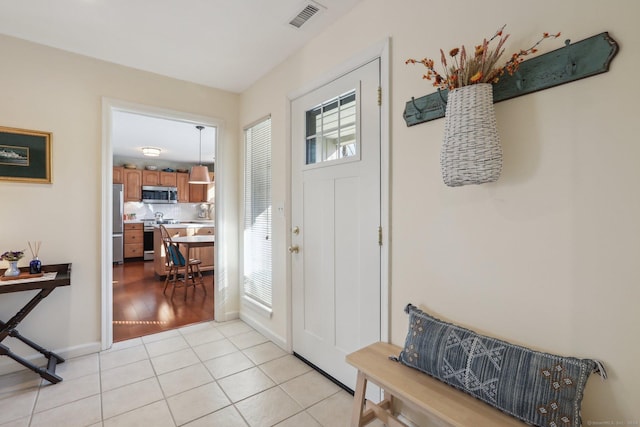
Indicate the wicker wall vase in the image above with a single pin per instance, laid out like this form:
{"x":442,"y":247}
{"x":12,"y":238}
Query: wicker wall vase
{"x":471,"y":151}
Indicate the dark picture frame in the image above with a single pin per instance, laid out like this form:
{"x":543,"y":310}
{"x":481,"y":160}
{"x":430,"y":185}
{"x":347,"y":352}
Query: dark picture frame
{"x":25,"y":155}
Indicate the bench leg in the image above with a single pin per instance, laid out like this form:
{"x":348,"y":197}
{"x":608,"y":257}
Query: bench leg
{"x":388,"y":397}
{"x":382,"y":411}
{"x":358,"y":400}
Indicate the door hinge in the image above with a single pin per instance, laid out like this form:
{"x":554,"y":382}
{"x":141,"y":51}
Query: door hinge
{"x":379,"y":95}
{"x":379,"y":236}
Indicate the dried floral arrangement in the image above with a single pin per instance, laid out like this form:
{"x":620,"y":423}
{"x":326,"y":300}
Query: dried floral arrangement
{"x":478,"y":68}
{"x":12,"y":255}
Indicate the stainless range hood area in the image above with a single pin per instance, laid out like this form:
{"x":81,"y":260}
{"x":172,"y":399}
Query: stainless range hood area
{"x":156,"y":194}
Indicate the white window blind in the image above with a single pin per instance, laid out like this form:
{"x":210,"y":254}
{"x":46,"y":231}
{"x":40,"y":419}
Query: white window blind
{"x":257,"y":213}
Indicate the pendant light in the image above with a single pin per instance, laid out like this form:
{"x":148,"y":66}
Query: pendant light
{"x":199,"y":174}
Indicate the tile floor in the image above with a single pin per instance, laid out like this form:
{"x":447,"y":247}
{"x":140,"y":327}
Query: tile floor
{"x":208,"y":374}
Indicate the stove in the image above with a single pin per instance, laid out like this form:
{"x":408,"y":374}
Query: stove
{"x":148,"y":226}
{"x":150,"y":223}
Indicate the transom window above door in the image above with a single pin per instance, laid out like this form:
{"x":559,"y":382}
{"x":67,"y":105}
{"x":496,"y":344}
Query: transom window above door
{"x":331,"y":130}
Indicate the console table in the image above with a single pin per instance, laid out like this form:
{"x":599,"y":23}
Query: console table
{"x":45,"y":285}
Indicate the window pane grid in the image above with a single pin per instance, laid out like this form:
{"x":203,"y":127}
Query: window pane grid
{"x":331,"y":129}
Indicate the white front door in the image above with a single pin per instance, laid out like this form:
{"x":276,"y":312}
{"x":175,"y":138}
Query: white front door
{"x":335,"y":220}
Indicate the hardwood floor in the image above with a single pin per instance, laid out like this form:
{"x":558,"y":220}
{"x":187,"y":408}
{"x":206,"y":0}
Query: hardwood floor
{"x":140,"y":308}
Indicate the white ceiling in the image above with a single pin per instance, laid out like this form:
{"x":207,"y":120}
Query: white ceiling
{"x":178,"y":140}
{"x":226,"y":44}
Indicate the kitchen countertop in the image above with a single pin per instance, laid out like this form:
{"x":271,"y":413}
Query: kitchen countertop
{"x":188,"y":225}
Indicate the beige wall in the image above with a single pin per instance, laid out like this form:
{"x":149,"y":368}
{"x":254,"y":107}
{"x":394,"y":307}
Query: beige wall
{"x":50,"y":90}
{"x":546,"y":257}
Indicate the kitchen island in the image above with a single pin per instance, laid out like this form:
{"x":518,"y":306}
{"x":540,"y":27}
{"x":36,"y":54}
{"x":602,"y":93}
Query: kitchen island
{"x":204,"y":254}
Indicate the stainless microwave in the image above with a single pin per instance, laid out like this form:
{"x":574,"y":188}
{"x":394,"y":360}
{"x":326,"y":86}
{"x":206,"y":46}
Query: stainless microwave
{"x":156,"y":194}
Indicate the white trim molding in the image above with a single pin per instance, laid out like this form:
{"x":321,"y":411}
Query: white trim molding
{"x":110,"y":105}
{"x":379,"y":50}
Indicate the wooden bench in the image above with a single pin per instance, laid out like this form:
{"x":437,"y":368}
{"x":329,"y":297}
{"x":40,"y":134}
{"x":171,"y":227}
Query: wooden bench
{"x":433,"y":397}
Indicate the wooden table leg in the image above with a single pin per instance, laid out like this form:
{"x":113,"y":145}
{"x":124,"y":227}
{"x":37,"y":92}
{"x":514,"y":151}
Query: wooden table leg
{"x":358,"y":400}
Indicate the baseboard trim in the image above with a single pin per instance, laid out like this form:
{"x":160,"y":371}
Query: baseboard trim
{"x":231,"y":315}
{"x":8,"y":366}
{"x":277,"y":340}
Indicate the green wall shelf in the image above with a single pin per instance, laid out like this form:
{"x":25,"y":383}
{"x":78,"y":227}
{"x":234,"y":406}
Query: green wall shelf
{"x":585,"y":58}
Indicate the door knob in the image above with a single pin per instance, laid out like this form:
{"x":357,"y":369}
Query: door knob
{"x":294,"y":249}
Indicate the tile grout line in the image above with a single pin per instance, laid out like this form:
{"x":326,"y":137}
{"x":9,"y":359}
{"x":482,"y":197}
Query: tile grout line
{"x":200,"y":362}
{"x":33,"y":406}
{"x":164,"y":395}
{"x":42,"y":385}
{"x":100,"y":384}
{"x":148,"y":358}
{"x":328,"y":397}
{"x":231,"y":402}
{"x":216,"y":380}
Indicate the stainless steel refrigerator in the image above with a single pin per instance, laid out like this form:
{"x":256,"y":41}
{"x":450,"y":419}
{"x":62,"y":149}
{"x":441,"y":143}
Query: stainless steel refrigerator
{"x":118,"y":224}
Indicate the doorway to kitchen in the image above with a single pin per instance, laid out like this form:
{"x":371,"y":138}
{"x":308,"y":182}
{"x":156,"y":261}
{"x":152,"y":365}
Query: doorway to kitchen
{"x":153,"y":176}
{"x":133,"y":302}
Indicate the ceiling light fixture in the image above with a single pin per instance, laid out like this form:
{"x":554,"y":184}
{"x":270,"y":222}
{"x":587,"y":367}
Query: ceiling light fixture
{"x":199,"y":174}
{"x":151,"y":151}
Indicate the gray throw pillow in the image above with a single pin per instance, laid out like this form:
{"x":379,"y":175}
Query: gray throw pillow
{"x":542,"y":389}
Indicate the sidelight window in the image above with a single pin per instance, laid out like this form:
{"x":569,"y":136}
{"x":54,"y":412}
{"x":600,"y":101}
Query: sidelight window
{"x":257,"y":213}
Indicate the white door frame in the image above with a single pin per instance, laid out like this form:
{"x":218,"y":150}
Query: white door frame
{"x":379,"y":50}
{"x":108,"y":107}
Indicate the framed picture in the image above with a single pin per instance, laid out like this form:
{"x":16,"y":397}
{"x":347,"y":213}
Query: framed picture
{"x":25,"y":155}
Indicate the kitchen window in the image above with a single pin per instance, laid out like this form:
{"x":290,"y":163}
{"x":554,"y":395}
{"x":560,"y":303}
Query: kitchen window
{"x":257,"y":214}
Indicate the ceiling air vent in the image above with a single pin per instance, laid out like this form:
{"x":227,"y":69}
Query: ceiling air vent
{"x":304,"y":15}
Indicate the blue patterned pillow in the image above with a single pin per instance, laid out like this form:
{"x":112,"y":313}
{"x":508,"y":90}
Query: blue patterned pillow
{"x":539,"y":388}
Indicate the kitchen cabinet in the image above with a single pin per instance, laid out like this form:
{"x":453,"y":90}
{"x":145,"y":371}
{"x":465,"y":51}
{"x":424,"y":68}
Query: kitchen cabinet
{"x":132,"y":180}
{"x":150,"y":177}
{"x":133,"y":240}
{"x":165,"y":179}
{"x":168,"y":179}
{"x":199,"y":193}
{"x":118,"y":174}
{"x":182,"y":182}
{"x":206,"y":255}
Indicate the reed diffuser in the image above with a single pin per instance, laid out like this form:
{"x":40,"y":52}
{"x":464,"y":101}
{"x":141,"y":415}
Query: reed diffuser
{"x":35,"y":266}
